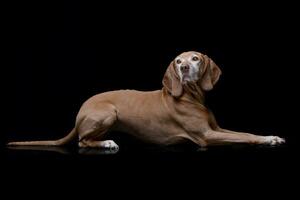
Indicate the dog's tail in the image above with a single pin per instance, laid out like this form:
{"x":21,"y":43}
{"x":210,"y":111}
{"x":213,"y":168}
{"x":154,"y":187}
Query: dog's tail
{"x":65,"y":140}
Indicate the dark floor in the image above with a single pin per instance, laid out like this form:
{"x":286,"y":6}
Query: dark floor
{"x":259,"y":167}
{"x":145,"y":157}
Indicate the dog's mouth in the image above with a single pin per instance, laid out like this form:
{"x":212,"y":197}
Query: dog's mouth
{"x":185,"y":78}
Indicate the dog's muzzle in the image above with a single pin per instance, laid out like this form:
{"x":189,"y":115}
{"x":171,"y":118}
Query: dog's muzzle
{"x":184,"y":68}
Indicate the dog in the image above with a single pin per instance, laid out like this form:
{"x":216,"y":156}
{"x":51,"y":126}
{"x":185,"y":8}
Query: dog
{"x":169,"y":116}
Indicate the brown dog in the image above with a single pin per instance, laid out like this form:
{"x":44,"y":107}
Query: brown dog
{"x":168,"y":116}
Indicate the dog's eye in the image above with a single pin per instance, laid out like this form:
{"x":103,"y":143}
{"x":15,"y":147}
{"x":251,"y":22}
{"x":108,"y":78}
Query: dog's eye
{"x":195,"y":58}
{"x":178,"y":61}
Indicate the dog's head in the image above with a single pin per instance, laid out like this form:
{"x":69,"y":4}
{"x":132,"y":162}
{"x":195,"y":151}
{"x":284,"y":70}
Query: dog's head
{"x":191,"y":67}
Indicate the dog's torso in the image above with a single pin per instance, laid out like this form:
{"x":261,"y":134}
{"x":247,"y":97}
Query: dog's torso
{"x":151,"y":116}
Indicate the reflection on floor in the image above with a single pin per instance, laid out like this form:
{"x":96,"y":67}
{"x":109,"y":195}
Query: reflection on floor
{"x":71,"y":150}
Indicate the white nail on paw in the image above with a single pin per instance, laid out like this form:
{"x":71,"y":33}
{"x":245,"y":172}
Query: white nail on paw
{"x":274,"y":140}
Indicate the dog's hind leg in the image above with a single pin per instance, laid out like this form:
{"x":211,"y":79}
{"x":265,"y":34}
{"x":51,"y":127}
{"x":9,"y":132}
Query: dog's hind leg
{"x":94,"y":125}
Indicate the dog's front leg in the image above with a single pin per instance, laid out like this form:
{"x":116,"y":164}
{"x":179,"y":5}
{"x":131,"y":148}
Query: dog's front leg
{"x":226,"y":137}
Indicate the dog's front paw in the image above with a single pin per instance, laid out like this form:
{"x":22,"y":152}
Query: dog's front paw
{"x":273,"y":140}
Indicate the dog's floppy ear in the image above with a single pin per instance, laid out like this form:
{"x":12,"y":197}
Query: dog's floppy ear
{"x":210,"y":75}
{"x":171,"y":81}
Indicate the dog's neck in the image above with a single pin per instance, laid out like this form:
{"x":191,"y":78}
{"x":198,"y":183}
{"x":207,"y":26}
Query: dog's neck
{"x":193,"y":93}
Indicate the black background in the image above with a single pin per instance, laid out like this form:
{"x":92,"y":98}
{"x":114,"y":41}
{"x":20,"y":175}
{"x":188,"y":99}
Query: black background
{"x":64,"y":52}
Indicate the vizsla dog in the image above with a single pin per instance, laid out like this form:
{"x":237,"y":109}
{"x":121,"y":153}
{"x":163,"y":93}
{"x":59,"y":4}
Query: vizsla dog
{"x":174,"y":114}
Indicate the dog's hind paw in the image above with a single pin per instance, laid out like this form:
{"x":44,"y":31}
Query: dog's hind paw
{"x":109,"y":144}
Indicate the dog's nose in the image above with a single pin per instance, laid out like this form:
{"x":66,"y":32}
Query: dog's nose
{"x":184,"y":68}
